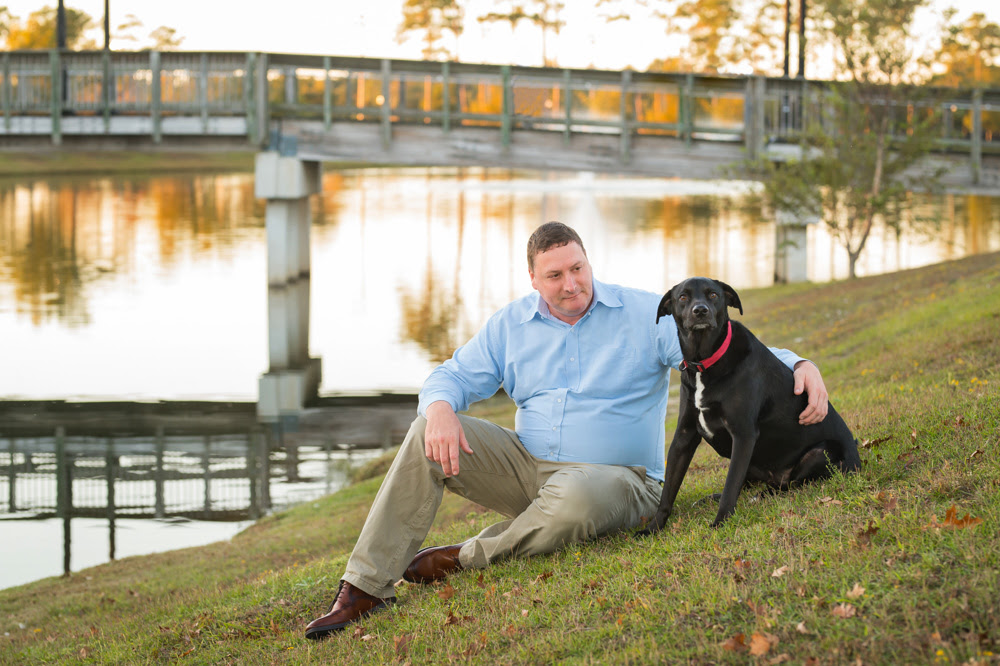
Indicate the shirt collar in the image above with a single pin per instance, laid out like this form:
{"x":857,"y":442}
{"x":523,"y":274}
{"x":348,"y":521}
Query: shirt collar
{"x":602,"y":294}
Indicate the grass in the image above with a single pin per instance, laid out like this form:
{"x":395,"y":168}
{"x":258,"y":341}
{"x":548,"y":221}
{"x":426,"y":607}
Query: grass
{"x":51,"y":163}
{"x":896,"y":564}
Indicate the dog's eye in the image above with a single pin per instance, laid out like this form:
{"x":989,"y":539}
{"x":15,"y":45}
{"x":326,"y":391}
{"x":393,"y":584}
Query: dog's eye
{"x":682,"y":298}
{"x":713,"y":295}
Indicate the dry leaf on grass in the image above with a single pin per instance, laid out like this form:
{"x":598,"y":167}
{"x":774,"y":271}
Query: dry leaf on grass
{"x":844,"y":611}
{"x":855,"y":592}
{"x":735,"y":643}
{"x":761,"y":644}
{"x":780,"y":571}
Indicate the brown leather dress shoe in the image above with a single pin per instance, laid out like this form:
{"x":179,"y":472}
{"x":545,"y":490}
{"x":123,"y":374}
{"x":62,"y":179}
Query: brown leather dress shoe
{"x":350,"y":605}
{"x":431,"y":564}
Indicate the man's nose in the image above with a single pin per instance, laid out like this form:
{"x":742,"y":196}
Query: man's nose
{"x":699,"y":310}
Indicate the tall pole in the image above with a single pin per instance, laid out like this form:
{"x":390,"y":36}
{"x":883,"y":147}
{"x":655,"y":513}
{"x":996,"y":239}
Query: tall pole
{"x":802,"y":39}
{"x":788,"y":36}
{"x":61,"y":26}
{"x":107,"y":25}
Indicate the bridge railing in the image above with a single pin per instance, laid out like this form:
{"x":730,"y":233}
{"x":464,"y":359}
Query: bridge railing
{"x":239,"y":94}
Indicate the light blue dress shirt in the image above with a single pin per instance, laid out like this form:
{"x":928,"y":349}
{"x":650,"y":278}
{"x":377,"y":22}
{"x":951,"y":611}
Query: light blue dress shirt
{"x":593,"y":392}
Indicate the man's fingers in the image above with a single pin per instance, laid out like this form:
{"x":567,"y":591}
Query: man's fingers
{"x":464,"y":442}
{"x":800,"y":383}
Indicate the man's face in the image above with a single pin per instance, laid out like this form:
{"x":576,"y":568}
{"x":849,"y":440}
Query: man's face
{"x":563,"y":277}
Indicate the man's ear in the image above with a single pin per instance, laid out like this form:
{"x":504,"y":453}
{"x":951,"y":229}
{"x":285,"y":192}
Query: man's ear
{"x":732,"y":298}
{"x":666,"y":307}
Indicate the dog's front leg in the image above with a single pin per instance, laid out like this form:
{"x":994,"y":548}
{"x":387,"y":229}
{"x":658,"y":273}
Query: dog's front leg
{"x":679,"y":455}
{"x":739,"y":463}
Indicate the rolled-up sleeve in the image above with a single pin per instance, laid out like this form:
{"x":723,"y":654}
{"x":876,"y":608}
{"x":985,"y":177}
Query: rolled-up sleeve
{"x":473,"y":373}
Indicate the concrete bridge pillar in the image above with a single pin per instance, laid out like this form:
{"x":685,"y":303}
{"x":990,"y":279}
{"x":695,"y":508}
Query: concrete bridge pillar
{"x":790,"y":248}
{"x":293,"y":377}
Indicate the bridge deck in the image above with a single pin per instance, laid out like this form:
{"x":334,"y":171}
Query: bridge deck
{"x":377,"y":111}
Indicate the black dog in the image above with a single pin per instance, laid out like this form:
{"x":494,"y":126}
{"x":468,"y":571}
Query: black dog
{"x":739,"y":397}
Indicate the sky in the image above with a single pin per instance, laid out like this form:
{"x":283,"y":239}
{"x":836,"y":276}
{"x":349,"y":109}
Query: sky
{"x":368,"y":28}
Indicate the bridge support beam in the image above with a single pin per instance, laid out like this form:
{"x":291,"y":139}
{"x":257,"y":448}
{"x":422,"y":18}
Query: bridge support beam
{"x":292,"y":379}
{"x":790,"y":247}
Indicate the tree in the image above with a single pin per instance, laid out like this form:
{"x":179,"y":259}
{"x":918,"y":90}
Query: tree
{"x":165,"y":39}
{"x":542,"y":13}
{"x":433,"y":18}
{"x":708,"y":23}
{"x":969,"y":52}
{"x":39,"y":30}
{"x":859,"y":153}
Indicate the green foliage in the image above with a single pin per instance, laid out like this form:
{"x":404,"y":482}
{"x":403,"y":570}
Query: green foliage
{"x":39,"y":30}
{"x":898,"y":563}
{"x":433,"y":18}
{"x":865,"y":140}
{"x":969,"y":52}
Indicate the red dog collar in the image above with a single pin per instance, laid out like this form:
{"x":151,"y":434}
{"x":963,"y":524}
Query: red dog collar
{"x":702,"y":366}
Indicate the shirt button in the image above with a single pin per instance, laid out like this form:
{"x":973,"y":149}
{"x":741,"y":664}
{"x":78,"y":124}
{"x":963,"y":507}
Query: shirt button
{"x":558,"y":399}
{"x":572,"y":358}
{"x":553,"y":427}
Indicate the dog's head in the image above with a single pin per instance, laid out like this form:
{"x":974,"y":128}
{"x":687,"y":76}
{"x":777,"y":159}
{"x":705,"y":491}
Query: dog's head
{"x":699,"y":304}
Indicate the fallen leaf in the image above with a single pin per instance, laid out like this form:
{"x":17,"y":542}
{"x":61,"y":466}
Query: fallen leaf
{"x":761,"y":644}
{"x":480,"y":582}
{"x":524,"y":612}
{"x":402,"y":643}
{"x":735,"y":643}
{"x":829,"y":501}
{"x":446,"y":592}
{"x":864,"y":537}
{"x":542,"y":577}
{"x":856,"y":592}
{"x":84,"y":653}
{"x":359,"y":631}
{"x":779,"y":572}
{"x":779,"y":659}
{"x":872,"y":443}
{"x":801,"y":628}
{"x":913,"y":435}
{"x":844,"y":611}
{"x":367,"y":637}
{"x":951,"y":520}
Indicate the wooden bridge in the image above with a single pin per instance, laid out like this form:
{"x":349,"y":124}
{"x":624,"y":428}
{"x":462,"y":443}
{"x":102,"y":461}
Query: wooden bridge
{"x":367,"y":111}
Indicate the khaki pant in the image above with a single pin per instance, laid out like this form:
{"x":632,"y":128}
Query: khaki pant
{"x":549,"y":503}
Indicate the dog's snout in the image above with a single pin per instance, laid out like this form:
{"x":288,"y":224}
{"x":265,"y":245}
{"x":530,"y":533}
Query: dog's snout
{"x":699,"y":310}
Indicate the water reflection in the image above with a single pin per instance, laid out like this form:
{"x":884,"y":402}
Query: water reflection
{"x":155,"y":287}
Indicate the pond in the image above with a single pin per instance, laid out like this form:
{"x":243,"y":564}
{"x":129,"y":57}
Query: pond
{"x":154,"y":287}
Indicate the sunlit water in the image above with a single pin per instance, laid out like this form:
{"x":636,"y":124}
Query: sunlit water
{"x":155,"y":287}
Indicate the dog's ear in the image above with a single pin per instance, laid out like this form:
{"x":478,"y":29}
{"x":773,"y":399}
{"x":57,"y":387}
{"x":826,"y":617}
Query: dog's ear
{"x":732,"y":298}
{"x":666,"y":307}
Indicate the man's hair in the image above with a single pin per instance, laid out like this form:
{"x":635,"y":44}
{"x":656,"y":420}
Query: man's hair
{"x":548,"y":236}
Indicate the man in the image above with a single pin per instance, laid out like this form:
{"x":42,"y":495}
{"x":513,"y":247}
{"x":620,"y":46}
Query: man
{"x":587,"y":366}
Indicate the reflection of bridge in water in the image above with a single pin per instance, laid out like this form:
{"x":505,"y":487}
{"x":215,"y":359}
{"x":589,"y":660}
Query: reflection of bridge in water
{"x":197,"y":460}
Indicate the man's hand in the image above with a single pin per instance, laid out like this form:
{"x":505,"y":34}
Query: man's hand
{"x":809,"y":379}
{"x":443,"y":437}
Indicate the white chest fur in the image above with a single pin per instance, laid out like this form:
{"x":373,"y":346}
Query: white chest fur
{"x":699,"y":390}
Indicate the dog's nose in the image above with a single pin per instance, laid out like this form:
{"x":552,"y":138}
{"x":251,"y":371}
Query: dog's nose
{"x":699,"y":310}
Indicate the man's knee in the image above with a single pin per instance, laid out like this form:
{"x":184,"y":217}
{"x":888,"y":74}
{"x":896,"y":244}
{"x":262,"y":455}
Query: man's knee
{"x":588,"y":501}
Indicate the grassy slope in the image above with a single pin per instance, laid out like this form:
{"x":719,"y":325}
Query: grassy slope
{"x":47,"y":164}
{"x":911,"y":359}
